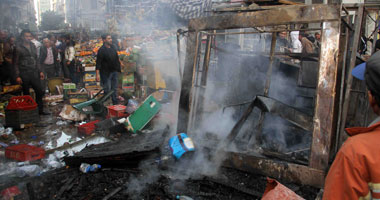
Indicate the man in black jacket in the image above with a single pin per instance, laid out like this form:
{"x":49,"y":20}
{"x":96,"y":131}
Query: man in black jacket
{"x":49,"y":58}
{"x":108,"y":67}
{"x":28,"y":71}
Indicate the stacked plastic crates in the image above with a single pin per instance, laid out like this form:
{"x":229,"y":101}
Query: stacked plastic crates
{"x":21,"y":110}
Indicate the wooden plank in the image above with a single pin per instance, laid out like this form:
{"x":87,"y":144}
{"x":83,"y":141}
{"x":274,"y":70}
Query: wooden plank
{"x":280,"y":170}
{"x":289,"y":2}
{"x":184,"y":101}
{"x":278,"y":16}
{"x":325,"y":98}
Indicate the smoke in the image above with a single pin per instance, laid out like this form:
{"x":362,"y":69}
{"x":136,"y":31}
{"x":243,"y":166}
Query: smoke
{"x":236,"y":75}
{"x":137,"y":184}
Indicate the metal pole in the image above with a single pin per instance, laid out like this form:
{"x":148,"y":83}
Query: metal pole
{"x":354,"y":48}
{"x":266,"y":91}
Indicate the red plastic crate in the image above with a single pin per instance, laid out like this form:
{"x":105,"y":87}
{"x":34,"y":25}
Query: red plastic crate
{"x":87,"y":128}
{"x":10,"y":192}
{"x":117,"y":111}
{"x":21,"y":103}
{"x":24,"y":152}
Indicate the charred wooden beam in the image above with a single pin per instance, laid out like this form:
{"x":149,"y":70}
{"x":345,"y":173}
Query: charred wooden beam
{"x":238,"y":188}
{"x":184,"y":105}
{"x":272,"y":17}
{"x":277,"y":169}
{"x":325,"y":98}
{"x":110,"y":195}
{"x":294,"y":116}
{"x":346,"y":101}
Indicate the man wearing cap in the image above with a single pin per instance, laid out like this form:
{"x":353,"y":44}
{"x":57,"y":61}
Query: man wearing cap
{"x":355,"y":172}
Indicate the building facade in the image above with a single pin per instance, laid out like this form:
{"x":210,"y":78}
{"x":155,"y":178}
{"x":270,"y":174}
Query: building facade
{"x":86,"y":13}
{"x":42,"y":6}
{"x":17,"y":15}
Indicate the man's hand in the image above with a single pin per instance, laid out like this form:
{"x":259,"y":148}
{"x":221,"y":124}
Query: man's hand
{"x":97,"y":77}
{"x":19,"y":80}
{"x":42,"y":76}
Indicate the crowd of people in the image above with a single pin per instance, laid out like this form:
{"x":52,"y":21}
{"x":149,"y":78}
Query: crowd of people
{"x":26,"y":61}
{"x":301,"y":42}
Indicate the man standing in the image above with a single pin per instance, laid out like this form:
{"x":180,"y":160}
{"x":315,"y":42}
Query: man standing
{"x":355,"y":172}
{"x":9,"y":48}
{"x":282,"y":43}
{"x":3,"y":70}
{"x":36,"y":43}
{"x":27,"y":68}
{"x":48,"y":58}
{"x":108,"y":67}
{"x":307,"y":45}
{"x":317,"y":41}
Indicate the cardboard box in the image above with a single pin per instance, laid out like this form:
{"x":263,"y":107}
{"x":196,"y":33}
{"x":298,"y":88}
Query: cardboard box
{"x":93,"y":91}
{"x":128,"y":82}
{"x":90,"y":85}
{"x":89,"y":68}
{"x":77,"y":97}
{"x":89,"y":77}
{"x":76,"y":100}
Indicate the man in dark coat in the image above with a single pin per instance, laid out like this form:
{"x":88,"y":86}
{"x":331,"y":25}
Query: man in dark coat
{"x":28,"y":71}
{"x":108,"y":67}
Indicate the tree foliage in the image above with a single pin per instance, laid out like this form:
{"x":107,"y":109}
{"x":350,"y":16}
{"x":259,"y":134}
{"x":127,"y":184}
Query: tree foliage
{"x":51,"y":21}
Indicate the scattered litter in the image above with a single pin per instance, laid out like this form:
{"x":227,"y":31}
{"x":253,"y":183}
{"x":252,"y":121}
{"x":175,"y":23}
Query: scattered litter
{"x":33,"y":137}
{"x":53,"y":161}
{"x":3,"y":144}
{"x":1,"y":129}
{"x":10,"y":193}
{"x":70,"y":150}
{"x":7,"y":168}
{"x":122,"y":120}
{"x":183,"y":197}
{"x":59,"y":142}
{"x":28,"y":170}
{"x":15,"y":141}
{"x":70,"y":113}
{"x":8,"y":130}
{"x":50,"y":132}
{"x":131,"y":106}
{"x":61,"y":123}
{"x":180,"y":144}
{"x":85,"y":168}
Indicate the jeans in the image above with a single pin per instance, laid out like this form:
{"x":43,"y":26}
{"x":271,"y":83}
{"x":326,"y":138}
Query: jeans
{"x":73,"y":72}
{"x":110,"y":82}
{"x":32,"y":79}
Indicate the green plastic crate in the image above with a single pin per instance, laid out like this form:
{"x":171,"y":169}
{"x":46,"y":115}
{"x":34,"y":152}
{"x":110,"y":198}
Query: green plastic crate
{"x":69,"y":86}
{"x":144,"y":113}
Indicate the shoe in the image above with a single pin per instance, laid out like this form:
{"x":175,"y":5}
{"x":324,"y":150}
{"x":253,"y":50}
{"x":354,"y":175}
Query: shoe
{"x":44,"y":113}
